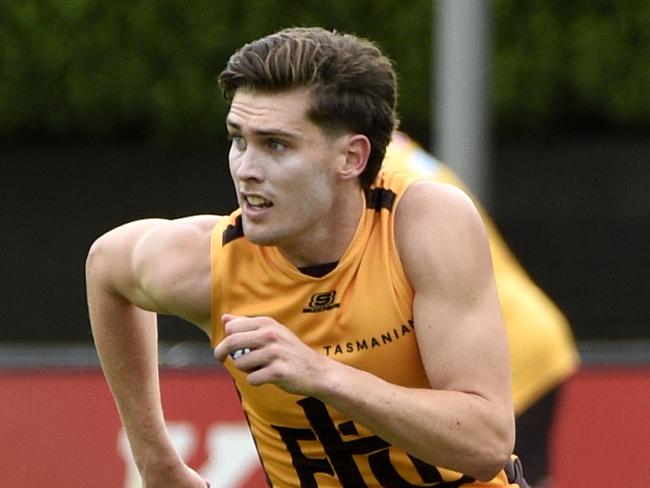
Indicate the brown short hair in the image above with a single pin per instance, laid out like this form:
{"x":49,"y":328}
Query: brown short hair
{"x":352,"y":83}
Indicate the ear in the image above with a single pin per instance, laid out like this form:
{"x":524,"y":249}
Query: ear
{"x":356,"y":153}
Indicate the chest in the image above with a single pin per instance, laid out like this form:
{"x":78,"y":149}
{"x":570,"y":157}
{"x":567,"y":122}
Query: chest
{"x":359,"y":315}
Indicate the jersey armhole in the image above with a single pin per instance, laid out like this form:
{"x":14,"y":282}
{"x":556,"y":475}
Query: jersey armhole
{"x":398,"y":267}
{"x":216,"y":279}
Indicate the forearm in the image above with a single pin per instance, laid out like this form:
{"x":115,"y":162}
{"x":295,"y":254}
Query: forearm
{"x":126,"y":340}
{"x":455,"y":430}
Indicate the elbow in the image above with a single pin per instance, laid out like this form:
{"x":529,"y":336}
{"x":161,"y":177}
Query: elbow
{"x":93,"y":258}
{"x":496,"y":454}
{"x":109,"y":250}
{"x":490,"y":468}
{"x":103,"y":263}
{"x":96,"y":260}
{"x":93,"y":253}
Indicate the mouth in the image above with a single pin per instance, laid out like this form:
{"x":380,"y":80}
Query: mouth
{"x":256,"y":202}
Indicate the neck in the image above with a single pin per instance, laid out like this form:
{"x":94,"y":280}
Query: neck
{"x":328,"y":241}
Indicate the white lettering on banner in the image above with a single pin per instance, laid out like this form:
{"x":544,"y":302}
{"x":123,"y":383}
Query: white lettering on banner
{"x":232,"y":457}
{"x":231,"y":453}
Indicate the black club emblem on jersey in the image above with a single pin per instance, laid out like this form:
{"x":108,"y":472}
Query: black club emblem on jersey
{"x":320,"y":302}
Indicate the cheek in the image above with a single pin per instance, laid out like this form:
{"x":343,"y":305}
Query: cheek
{"x":307,"y":185}
{"x":233,"y":165}
{"x":314,"y":195}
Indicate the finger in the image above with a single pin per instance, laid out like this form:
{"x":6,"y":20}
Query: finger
{"x":227,"y":317}
{"x":234,"y":345}
{"x":221,"y":351}
{"x":234,"y":324}
{"x":246,"y":362}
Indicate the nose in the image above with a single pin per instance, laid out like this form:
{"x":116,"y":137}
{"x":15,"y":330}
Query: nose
{"x":247,"y":165}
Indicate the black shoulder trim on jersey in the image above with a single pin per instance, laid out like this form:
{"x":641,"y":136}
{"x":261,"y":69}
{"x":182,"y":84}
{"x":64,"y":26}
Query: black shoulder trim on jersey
{"x":378,"y":198}
{"x":232,"y":232}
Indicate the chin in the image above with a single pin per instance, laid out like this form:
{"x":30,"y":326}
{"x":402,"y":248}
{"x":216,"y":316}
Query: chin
{"x":260,"y":240}
{"x":258,"y":236}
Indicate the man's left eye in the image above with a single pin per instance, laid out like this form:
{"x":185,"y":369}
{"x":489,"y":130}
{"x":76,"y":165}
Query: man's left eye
{"x":276,"y":146}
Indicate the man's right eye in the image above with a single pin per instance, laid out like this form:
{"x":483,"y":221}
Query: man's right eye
{"x":238,"y":142}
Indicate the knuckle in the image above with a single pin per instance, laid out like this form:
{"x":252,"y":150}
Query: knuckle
{"x":270,"y":336}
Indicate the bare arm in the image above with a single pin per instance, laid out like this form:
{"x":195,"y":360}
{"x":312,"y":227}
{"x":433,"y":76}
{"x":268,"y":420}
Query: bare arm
{"x":132,"y":273}
{"x":464,"y":422}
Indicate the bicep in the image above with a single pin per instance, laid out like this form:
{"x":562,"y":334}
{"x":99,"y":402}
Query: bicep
{"x":456,"y":310}
{"x":462,"y":341}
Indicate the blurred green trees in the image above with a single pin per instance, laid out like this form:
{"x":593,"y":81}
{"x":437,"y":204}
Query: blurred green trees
{"x":89,"y":69}
{"x":568,"y":63}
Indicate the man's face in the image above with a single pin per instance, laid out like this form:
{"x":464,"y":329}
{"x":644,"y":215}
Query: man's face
{"x":283,"y":167}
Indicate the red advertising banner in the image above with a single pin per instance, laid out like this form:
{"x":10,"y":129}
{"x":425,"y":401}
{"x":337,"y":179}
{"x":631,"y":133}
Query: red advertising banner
{"x":60,"y":429}
{"x":602,"y":436}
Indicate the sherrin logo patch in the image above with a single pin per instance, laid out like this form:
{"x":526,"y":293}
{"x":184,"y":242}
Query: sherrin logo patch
{"x":320,"y":302}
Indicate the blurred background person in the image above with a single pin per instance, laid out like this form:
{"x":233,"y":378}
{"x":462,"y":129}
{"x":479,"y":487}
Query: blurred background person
{"x":543,"y":353}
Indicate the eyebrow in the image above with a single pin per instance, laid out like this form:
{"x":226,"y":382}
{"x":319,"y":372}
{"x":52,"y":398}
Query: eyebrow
{"x":264,"y":132}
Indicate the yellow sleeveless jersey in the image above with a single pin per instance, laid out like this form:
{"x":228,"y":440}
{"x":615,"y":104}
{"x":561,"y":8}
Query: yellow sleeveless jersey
{"x":542,"y":349}
{"x":359,"y":313}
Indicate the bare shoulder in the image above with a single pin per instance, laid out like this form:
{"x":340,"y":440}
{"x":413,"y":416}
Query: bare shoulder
{"x":435,"y":200}
{"x":437,"y":225}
